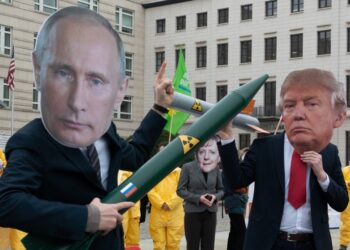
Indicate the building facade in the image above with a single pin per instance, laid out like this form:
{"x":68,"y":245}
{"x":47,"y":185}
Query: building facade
{"x":226,"y":44}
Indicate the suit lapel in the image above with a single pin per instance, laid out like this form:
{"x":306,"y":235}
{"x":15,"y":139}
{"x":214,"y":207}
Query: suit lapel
{"x":199,"y":173}
{"x":278,"y":154}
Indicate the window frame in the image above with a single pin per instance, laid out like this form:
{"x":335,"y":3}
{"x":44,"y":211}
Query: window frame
{"x":222,"y":54}
{"x":296,"y":49}
{"x":91,"y":4}
{"x":246,"y":51}
{"x":35,"y":99}
{"x":120,"y":26}
{"x":40,"y":6}
{"x":5,"y":93}
{"x":220,"y":90}
{"x":124,"y":115}
{"x":246,"y":12}
{"x":324,"y":4}
{"x":326,"y":48}
{"x":201,"y":92}
{"x":348,"y":39}
{"x":181,"y":23}
{"x":202,"y":19}
{"x":270,"y":98}
{"x":271,"y":8}
{"x":244,"y":140}
{"x":160,"y":57}
{"x":129,"y":70}
{"x":296,"y":6}
{"x":223,"y":15}
{"x":201,"y":56}
{"x":5,"y":35}
{"x":271,"y":48}
{"x":160,"y":25}
{"x":348,"y":91}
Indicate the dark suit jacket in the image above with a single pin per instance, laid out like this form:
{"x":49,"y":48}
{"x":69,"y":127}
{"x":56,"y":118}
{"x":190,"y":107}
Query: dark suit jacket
{"x":192,"y":185}
{"x":264,"y":165}
{"x":46,"y":186}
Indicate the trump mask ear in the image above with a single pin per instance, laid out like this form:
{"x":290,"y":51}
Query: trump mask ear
{"x":36,"y":68}
{"x":121,"y":93}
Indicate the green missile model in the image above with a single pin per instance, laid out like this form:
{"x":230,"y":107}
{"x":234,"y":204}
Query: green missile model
{"x":161,"y":164}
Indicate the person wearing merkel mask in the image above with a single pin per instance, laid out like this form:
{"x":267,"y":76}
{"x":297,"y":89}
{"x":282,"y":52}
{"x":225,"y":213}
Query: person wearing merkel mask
{"x":200,"y":186}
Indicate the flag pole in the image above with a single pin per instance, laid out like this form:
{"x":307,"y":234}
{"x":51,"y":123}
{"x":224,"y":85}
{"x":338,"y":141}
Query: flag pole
{"x":171,"y":126}
{"x":12,"y":109}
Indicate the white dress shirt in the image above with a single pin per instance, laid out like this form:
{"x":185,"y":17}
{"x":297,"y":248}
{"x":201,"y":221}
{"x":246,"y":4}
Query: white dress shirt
{"x":297,"y":220}
{"x":104,"y":157}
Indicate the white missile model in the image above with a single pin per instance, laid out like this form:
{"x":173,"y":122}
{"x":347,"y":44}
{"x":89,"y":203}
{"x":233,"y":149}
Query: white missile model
{"x":198,"y":107}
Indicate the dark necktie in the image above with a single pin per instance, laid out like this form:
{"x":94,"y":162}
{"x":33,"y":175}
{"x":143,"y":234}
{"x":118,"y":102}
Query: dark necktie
{"x":95,"y":162}
{"x":297,"y":182}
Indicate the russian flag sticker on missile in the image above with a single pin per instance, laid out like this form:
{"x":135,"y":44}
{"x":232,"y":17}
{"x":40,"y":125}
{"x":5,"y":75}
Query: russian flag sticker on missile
{"x":128,"y":189}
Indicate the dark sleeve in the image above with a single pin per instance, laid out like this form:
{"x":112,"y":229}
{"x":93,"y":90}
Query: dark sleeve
{"x":237,"y":174}
{"x":21,"y":208}
{"x":136,"y":152}
{"x":337,"y":194}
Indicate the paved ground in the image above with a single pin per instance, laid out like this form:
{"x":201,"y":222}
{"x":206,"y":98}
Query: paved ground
{"x":221,"y":235}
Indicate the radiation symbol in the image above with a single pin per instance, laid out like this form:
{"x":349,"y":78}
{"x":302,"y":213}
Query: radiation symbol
{"x":188,"y":142}
{"x":197,"y":106}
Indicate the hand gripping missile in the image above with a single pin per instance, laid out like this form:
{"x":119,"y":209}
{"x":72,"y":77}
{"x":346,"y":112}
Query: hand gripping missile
{"x":161,"y":164}
{"x":198,"y":107}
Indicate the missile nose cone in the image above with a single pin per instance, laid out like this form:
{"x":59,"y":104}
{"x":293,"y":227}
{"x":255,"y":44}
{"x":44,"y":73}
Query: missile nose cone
{"x":248,"y":90}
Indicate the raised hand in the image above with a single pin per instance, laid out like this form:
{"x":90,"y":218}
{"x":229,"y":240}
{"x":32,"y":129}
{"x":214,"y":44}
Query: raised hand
{"x":163,"y":89}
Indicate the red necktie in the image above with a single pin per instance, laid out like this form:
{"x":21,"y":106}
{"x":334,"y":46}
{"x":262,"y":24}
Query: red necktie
{"x":297,"y":182}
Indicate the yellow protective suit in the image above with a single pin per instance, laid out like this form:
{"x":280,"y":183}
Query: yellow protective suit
{"x":15,"y":236}
{"x":131,"y":220}
{"x":345,"y":215}
{"x":166,"y":226}
{"x":3,"y":162}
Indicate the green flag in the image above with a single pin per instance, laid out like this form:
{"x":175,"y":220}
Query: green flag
{"x":181,"y":83}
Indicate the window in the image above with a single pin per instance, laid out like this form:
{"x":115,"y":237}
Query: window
{"x":297,"y":6}
{"x":246,"y":12}
{"x":270,"y":48}
{"x":201,"y":93}
{"x":4,"y":93}
{"x":36,"y":98}
{"x":223,"y":16}
{"x":246,"y":51}
{"x":124,"y":20}
{"x":6,"y":1}
{"x":323,"y":42}
{"x":221,"y":92}
{"x":47,"y":6}
{"x":160,"y":56}
{"x":128,"y":63}
{"x":177,"y":53}
{"x":160,"y":25}
{"x":348,"y":91}
{"x":348,"y":40}
{"x":244,"y":141}
{"x":125,"y":110}
{"x":271,"y":8}
{"x":202,"y":19}
{"x":296,"y":45}
{"x":89,"y":4}
{"x":180,"y":22}
{"x":5,"y":40}
{"x":324,"y":3}
{"x":347,"y":147}
{"x":35,"y":38}
{"x":202,"y":57}
{"x":223,"y":54}
{"x":270,"y":99}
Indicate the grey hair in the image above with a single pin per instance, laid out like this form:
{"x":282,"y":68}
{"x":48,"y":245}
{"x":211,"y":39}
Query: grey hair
{"x":77,"y":13}
{"x":316,"y":77}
